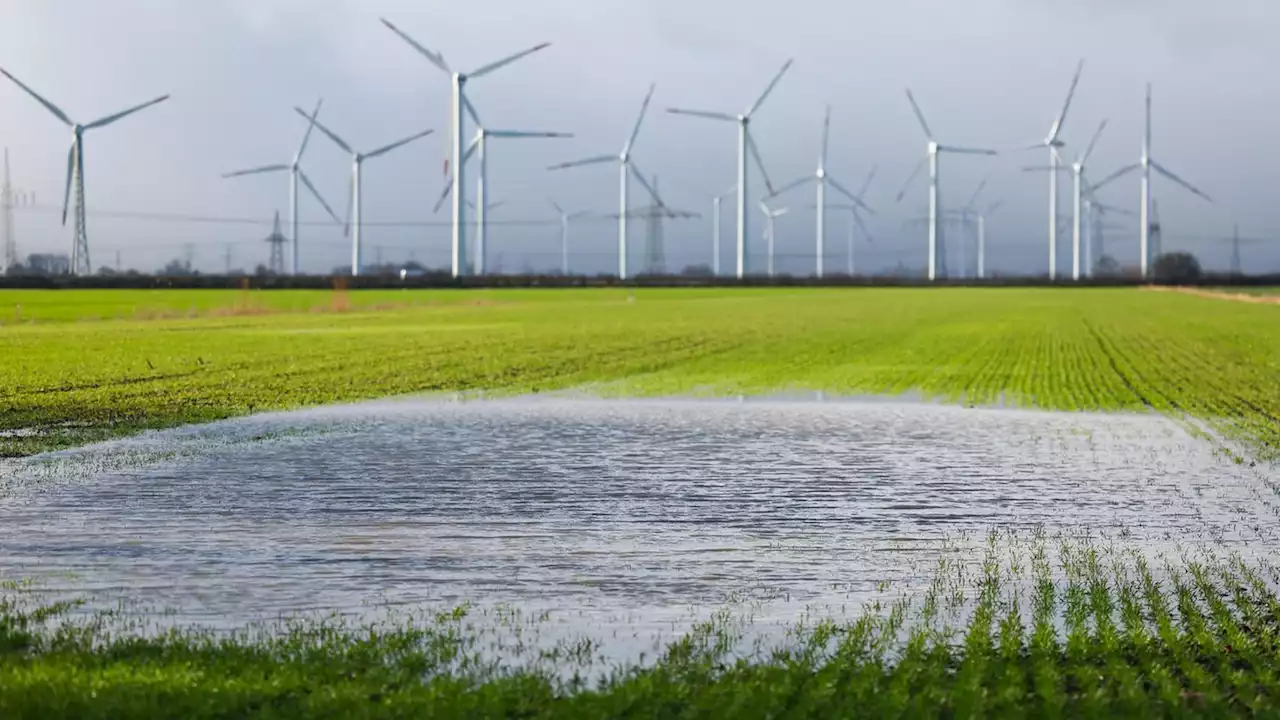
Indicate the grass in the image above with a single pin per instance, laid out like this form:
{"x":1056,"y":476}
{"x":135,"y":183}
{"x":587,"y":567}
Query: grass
{"x":1031,"y":630}
{"x":65,"y":382}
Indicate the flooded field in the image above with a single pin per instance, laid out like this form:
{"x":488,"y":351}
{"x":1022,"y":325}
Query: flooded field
{"x":636,"y":513}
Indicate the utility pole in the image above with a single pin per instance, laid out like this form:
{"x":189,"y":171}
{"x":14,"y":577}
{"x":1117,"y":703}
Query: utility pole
{"x":277,"y":241}
{"x":227,"y":260}
{"x":6,"y":222}
{"x":118,"y":266}
{"x":188,"y":254}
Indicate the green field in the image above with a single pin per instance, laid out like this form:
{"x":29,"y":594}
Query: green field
{"x":1042,"y":627}
{"x":66,"y":380}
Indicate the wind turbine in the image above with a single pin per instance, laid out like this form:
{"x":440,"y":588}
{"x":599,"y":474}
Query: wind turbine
{"x":355,"y":203}
{"x":771,"y":215}
{"x":855,"y":220}
{"x":966,"y":214}
{"x":746,"y":143}
{"x":1146,"y":163}
{"x":715,"y":229}
{"x":931,"y":157}
{"x":459,"y":102}
{"x":625,"y":166}
{"x":820,"y":178}
{"x":565,"y":218}
{"x":477,"y":266}
{"x":478,"y":146}
{"x":75,"y":170}
{"x":295,"y":173}
{"x":1052,"y":142}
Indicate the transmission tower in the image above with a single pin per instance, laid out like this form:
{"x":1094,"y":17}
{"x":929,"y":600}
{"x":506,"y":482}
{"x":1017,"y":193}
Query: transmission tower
{"x":277,"y":240}
{"x":1237,"y":267}
{"x":655,"y":215}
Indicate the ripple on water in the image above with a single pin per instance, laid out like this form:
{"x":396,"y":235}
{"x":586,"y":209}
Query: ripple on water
{"x":608,"y":508}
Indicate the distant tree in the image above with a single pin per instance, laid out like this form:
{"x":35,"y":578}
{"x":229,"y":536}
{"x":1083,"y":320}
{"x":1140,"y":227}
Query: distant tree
{"x":1106,"y":267}
{"x":175,"y":268}
{"x":106,"y":271}
{"x":1176,"y":267}
{"x":698,"y":270}
{"x":47,"y":264}
{"x":262,"y":270}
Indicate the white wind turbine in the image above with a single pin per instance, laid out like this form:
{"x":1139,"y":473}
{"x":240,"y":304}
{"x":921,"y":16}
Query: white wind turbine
{"x":626,"y":168}
{"x":75,"y":170}
{"x":478,"y":146}
{"x":355,"y":204}
{"x":746,"y":143}
{"x":1146,"y":163}
{"x":931,"y":158}
{"x":855,"y":221}
{"x":459,"y":102}
{"x":715,"y":228}
{"x":1052,"y":142}
{"x":565,"y":219}
{"x":821,"y":178}
{"x":295,"y":174}
{"x":771,"y":216}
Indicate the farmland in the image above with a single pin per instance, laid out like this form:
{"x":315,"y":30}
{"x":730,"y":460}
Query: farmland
{"x":67,"y":376}
{"x":1030,"y":623}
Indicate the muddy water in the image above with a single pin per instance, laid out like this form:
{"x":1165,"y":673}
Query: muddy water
{"x":624,"y":513}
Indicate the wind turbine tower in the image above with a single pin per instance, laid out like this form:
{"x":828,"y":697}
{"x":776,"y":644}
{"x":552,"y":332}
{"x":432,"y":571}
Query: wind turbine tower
{"x":458,"y":104}
{"x":80,"y":264}
{"x":746,"y":143}
{"x":6,"y":206}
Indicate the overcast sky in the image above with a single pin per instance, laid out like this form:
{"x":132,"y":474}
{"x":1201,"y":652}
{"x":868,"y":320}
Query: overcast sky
{"x":986,"y":72}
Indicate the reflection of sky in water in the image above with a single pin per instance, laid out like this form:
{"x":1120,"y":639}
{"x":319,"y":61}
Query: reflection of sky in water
{"x":617,"y":513}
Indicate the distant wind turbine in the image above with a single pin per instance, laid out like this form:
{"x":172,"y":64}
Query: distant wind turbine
{"x":355,"y":204}
{"x":715,"y":228}
{"x":1146,"y":163}
{"x":931,"y":158}
{"x":821,"y":178}
{"x":626,"y":169}
{"x":746,"y":143}
{"x":80,"y":264}
{"x":855,"y":221}
{"x":459,"y":101}
{"x":771,"y":216}
{"x":565,"y":218}
{"x":295,"y":174}
{"x":1052,"y":142}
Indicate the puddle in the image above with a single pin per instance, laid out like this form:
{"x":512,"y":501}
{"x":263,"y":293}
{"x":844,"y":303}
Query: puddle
{"x":620,"y":516}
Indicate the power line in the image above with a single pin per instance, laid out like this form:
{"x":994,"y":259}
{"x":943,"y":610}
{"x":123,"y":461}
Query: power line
{"x":233,"y":220}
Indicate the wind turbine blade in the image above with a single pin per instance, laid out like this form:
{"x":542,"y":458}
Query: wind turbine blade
{"x":867,"y":182}
{"x":994,"y":206}
{"x":863,"y":227}
{"x":586,"y":161}
{"x":703,"y":114}
{"x":772,"y":84}
{"x":495,"y":205}
{"x":471,"y":111}
{"x":826,"y":137}
{"x":1093,"y":142}
{"x":579,"y":214}
{"x":845,"y":192}
{"x":653,"y":192}
{"x":967,"y":151}
{"x":306,"y":137}
{"x":915,"y":107}
{"x":755,"y":155}
{"x":436,"y":58}
{"x":507,"y":60}
{"x":399,"y":143}
{"x":443,"y":196}
{"x":1114,"y":176}
{"x":123,"y":113}
{"x":1113,"y":209}
{"x":911,"y":178}
{"x":635,"y":131}
{"x":1062,"y":116}
{"x":557,"y":207}
{"x":1038,"y":168}
{"x":1169,"y":174}
{"x":332,"y":136}
{"x":256,"y":171}
{"x":71,"y":169}
{"x":526,"y":134}
{"x":307,"y":181}
{"x":793,"y":184}
{"x":976,"y":192}
{"x":47,"y":105}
